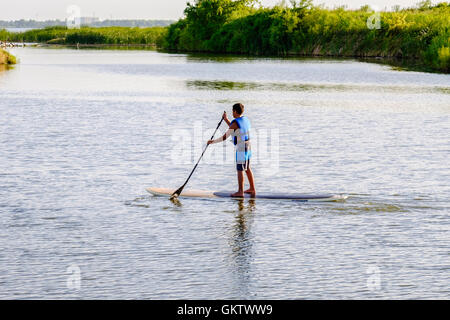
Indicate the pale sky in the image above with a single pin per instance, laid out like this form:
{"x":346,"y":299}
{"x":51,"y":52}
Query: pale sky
{"x":141,"y":9}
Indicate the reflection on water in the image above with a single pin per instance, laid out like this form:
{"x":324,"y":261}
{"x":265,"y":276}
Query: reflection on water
{"x":90,"y":47}
{"x":241,"y":246}
{"x":218,"y":58}
{"x":393,"y":63}
{"x":265,"y":86}
{"x":4,"y":67}
{"x":175,"y":201}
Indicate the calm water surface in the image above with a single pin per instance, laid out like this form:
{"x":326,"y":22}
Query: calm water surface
{"x":83,"y":133}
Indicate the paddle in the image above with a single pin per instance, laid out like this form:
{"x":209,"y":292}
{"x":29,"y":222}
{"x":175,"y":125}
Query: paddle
{"x":180,"y":189}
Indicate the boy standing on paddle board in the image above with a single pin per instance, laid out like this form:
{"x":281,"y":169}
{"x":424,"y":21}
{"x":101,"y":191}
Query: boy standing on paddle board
{"x":239,"y":128}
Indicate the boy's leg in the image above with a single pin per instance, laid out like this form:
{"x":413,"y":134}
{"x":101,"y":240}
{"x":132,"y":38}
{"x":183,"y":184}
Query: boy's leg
{"x":240,"y":193}
{"x":251,"y":181}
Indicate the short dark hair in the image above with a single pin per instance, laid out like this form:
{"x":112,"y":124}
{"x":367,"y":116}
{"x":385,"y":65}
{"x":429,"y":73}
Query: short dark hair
{"x":239,"y":108}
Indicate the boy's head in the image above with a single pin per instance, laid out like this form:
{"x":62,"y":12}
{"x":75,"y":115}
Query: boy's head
{"x":238,"y":110}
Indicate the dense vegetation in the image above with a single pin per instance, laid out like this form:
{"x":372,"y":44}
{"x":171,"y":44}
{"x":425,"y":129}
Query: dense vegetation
{"x":88,"y":35}
{"x":228,"y":26}
{"x":6,"y":57}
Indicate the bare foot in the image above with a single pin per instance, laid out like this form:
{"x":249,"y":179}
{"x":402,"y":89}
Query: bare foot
{"x":238,"y":194}
{"x":251,"y":191}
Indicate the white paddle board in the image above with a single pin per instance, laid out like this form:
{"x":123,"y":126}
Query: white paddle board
{"x":259,"y":195}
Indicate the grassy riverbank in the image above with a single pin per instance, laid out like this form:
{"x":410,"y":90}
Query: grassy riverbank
{"x":86,"y":35}
{"x":225,"y":26}
{"x":7,"y":58}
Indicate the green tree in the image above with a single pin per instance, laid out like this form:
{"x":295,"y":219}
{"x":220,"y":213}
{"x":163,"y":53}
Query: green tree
{"x":204,"y":17}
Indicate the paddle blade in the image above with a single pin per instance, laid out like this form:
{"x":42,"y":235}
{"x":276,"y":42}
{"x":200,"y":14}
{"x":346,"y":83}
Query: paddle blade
{"x":176,"y":193}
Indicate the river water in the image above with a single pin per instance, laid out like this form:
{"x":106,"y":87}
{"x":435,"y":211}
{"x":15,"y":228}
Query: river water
{"x":85,"y":132}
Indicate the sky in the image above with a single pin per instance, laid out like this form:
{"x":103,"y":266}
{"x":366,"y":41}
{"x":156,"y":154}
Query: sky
{"x":141,"y":9}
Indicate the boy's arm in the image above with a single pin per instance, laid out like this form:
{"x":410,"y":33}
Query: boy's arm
{"x":233,"y":127}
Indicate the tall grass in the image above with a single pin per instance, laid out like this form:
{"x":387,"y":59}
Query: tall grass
{"x":88,"y":35}
{"x":7,"y":58}
{"x":303,"y":29}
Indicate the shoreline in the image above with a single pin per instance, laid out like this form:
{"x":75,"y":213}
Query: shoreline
{"x":402,"y":63}
{"x":97,"y":45}
{"x":6,"y":58}
{"x":413,"y":39}
{"x":411,"y":33}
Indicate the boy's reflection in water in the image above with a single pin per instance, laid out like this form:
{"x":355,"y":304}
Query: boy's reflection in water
{"x":241,"y":246}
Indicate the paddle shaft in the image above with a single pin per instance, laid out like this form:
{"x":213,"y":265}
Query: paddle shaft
{"x":180,"y":189}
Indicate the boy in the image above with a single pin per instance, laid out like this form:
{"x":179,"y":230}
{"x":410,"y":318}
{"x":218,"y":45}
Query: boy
{"x":239,"y":128}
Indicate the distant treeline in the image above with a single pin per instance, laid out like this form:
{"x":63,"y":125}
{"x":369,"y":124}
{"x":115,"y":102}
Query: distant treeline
{"x":105,"y":23}
{"x":226,"y":26}
{"x":89,"y":35}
